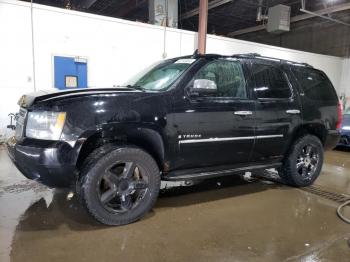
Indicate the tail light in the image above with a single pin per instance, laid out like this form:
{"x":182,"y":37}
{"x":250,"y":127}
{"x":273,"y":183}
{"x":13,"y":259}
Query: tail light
{"x":340,"y":115}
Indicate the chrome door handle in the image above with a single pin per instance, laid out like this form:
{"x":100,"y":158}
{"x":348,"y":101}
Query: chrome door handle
{"x":243,"y":113}
{"x":293,"y":111}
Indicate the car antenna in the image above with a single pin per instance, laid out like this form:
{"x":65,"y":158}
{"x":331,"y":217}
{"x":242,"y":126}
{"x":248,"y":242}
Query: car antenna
{"x":195,"y":53}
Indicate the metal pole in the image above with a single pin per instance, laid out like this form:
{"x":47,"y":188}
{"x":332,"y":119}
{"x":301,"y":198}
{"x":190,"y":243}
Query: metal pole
{"x":202,"y":26}
{"x":164,"y":55}
{"x":33,"y":51}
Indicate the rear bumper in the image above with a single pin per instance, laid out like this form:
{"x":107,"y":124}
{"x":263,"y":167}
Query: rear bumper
{"x":49,"y":162}
{"x":332,"y":139}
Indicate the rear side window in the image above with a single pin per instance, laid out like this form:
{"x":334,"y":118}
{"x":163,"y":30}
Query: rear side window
{"x":270,"y":82}
{"x":315,"y":84}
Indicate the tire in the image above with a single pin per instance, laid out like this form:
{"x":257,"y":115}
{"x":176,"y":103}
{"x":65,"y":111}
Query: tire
{"x":300,"y":167}
{"x":120,"y":186}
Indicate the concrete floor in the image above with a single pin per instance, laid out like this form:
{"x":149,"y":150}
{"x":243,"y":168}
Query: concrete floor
{"x":226,"y":219}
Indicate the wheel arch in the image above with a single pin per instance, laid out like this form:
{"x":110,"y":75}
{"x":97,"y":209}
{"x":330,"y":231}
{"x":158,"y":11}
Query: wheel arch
{"x":316,"y":129}
{"x":146,"y":138}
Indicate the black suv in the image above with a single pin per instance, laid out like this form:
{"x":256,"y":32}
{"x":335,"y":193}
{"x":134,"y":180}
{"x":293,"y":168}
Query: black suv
{"x":185,"y":118}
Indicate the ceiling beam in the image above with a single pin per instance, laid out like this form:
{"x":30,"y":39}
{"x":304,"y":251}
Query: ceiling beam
{"x":329,"y":10}
{"x":126,"y":8}
{"x":87,"y":3}
{"x":211,"y":5}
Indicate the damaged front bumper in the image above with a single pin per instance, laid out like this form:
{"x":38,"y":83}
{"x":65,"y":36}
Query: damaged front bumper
{"x":49,"y":162}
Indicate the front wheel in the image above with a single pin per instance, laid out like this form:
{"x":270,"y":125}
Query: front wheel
{"x":121,"y":186}
{"x":304,"y":162}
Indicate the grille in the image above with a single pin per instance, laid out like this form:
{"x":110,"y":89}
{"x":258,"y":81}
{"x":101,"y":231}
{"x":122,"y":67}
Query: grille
{"x":20,"y":119}
{"x":22,"y":113}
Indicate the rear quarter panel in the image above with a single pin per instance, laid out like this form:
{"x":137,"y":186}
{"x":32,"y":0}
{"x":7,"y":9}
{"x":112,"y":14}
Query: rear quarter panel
{"x":320,"y":112}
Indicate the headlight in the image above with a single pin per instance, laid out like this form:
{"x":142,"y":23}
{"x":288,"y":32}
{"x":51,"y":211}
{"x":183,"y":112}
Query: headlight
{"x":45,"y":125}
{"x":346,"y":127}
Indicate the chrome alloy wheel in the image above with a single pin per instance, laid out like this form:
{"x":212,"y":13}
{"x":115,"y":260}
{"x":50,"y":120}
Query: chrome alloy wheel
{"x":307,"y":162}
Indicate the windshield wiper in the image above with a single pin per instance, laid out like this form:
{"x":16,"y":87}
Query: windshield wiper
{"x":136,"y":87}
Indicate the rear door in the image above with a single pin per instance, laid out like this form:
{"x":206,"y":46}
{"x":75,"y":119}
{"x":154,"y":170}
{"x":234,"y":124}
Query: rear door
{"x":278,"y":110}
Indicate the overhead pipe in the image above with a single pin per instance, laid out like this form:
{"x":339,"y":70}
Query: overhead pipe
{"x":212,"y":4}
{"x":302,"y":9}
{"x":329,"y":10}
{"x":325,"y":17}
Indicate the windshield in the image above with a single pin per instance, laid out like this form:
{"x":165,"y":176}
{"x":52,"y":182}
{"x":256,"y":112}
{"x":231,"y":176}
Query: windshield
{"x":159,"y":76}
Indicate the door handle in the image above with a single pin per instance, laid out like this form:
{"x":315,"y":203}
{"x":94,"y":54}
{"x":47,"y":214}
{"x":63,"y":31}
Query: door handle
{"x":243,"y":113}
{"x":293,"y":111}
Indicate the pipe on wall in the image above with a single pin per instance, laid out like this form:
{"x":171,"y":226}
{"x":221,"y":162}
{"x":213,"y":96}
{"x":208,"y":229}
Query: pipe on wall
{"x":33,"y":49}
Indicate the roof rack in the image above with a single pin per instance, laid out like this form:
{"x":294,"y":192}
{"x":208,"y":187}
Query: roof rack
{"x":255,"y":55}
{"x":195,"y":53}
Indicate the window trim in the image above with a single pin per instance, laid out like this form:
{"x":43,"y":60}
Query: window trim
{"x":222,"y":98}
{"x":292,"y":93}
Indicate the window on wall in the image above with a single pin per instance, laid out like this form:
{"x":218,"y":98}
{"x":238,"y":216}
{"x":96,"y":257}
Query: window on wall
{"x":315,"y":84}
{"x":270,"y":82}
{"x":228,"y":77}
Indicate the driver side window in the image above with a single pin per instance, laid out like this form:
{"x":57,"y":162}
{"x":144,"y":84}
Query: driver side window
{"x":228,"y":77}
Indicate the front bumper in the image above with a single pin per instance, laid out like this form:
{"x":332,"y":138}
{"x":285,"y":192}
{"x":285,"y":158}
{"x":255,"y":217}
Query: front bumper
{"x":50,"y":162}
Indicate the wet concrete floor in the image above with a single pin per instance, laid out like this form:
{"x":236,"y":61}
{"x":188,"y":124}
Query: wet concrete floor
{"x":227,"y":219}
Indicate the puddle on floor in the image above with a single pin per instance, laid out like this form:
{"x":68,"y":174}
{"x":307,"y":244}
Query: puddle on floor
{"x":214,"y":220}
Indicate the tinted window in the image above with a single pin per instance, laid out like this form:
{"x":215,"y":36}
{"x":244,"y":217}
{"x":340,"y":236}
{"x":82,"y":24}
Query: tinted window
{"x":270,"y":82}
{"x":315,"y":84}
{"x":228,"y":76}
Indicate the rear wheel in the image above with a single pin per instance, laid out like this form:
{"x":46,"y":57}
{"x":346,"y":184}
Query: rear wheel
{"x":304,"y":162}
{"x":120,"y":187}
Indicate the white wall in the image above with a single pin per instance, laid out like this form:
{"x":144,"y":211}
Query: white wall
{"x":15,"y":59}
{"x":115,"y":49}
{"x":345,"y":78}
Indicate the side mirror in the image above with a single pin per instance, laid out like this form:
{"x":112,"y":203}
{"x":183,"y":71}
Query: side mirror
{"x":203,"y":87}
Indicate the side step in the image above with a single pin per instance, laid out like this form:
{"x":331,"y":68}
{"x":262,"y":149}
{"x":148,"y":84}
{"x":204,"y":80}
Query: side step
{"x":192,"y":174}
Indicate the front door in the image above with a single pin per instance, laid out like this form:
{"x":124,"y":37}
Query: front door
{"x":278,"y":111}
{"x":216,"y":129}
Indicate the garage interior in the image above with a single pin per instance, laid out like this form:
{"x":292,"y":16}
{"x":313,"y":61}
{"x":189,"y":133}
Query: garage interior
{"x":234,"y":218}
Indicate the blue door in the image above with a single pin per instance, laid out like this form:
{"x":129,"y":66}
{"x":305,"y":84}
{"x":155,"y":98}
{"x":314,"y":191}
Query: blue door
{"x":70,"y":72}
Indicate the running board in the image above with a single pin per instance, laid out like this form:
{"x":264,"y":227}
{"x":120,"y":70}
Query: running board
{"x":191,"y":175}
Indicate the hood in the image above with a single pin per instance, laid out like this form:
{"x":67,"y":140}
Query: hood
{"x":29,"y":99}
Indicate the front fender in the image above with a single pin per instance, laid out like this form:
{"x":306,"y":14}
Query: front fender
{"x":149,"y":137}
